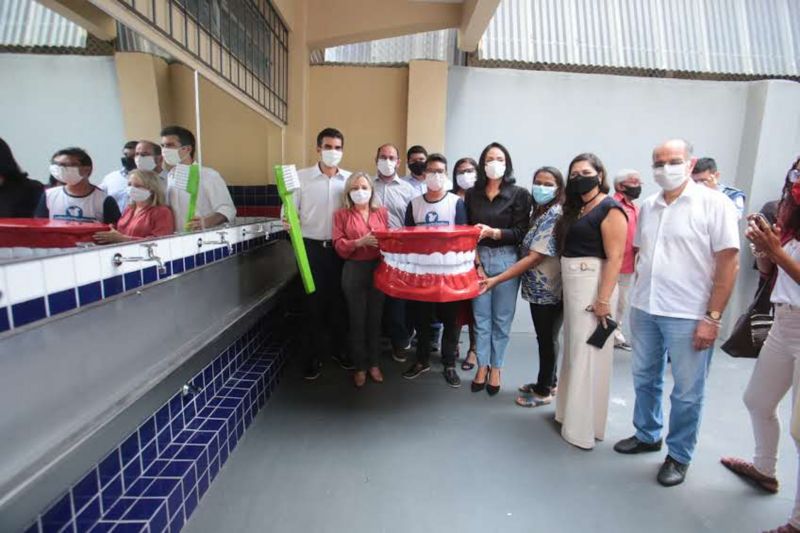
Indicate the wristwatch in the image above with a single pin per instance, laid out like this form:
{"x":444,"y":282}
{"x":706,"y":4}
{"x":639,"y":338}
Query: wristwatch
{"x":714,"y":315}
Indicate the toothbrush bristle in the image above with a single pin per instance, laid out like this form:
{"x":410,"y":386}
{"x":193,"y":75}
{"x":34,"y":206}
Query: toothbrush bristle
{"x":290,"y":178}
{"x":181,"y":176}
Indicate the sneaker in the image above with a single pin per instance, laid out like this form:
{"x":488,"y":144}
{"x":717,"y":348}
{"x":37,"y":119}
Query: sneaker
{"x":399,"y":355}
{"x":313,"y":371}
{"x":451,"y":377}
{"x":415,"y":370}
{"x":344,"y":361}
{"x":623,"y":346}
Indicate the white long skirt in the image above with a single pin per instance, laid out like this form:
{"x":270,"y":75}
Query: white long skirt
{"x":585,"y":375}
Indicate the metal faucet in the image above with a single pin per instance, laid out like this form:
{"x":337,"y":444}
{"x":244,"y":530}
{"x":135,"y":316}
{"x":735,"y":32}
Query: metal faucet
{"x":259,"y":229}
{"x":118,"y":259}
{"x":223,"y":241}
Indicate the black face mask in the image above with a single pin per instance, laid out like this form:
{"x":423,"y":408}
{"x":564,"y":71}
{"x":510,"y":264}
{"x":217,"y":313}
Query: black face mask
{"x":633,"y":192}
{"x":128,"y":163}
{"x":417,"y":167}
{"x":581,"y":185}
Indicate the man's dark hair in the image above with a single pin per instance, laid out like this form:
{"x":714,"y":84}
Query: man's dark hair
{"x":185,"y":136}
{"x":703,"y":164}
{"x":130,"y":145}
{"x":9,"y":168}
{"x":83,"y":157}
{"x":416,"y":149}
{"x":437,"y":158}
{"x":330,"y":132}
{"x":508,"y":177}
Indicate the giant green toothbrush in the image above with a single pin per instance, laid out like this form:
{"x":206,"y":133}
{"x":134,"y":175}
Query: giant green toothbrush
{"x":288,"y":182}
{"x":187,"y":178}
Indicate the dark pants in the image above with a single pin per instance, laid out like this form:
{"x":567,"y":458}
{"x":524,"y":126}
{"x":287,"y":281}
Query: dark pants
{"x":547,"y":320}
{"x":364,"y":303}
{"x":326,"y":320}
{"x":423,"y":315}
{"x":395,"y":323}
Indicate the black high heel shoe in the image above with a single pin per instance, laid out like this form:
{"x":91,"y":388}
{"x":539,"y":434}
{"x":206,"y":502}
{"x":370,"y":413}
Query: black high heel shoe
{"x":477,"y":387}
{"x":492,"y":390}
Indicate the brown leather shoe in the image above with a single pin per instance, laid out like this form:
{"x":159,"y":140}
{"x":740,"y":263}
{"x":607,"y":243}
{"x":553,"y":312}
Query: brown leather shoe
{"x":376,"y":374}
{"x":359,"y":378}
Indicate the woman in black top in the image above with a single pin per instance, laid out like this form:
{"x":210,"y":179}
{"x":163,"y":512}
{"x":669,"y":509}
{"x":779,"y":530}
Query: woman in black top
{"x":591,"y":237}
{"x":19,"y":195}
{"x":501,"y":210}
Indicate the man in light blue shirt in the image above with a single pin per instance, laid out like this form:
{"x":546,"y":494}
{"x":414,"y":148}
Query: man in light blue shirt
{"x":705,"y":172}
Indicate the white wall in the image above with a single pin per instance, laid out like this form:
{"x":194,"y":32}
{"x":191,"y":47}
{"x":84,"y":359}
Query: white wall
{"x":752,"y":129}
{"x":48,"y":102}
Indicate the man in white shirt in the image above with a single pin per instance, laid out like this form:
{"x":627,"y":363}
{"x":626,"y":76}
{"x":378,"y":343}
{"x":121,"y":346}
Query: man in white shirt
{"x":394,"y":193}
{"x":416,"y":157}
{"x":214,"y":204}
{"x":148,"y":157}
{"x":321,"y":194}
{"x":688,"y":243}
{"x":115,"y":184}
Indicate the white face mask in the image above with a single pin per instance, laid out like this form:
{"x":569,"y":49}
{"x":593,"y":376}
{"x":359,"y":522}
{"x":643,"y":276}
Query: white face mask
{"x":670,"y":177}
{"x":172,"y":156}
{"x":67,"y":175}
{"x":360,"y":196}
{"x":466,"y":180}
{"x":137,"y":194}
{"x":331,"y":158}
{"x":145,"y":162}
{"x":434,"y":181}
{"x":387,"y":167}
{"x":495,"y":170}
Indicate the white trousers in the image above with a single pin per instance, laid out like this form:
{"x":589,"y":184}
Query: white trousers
{"x":624,"y":283}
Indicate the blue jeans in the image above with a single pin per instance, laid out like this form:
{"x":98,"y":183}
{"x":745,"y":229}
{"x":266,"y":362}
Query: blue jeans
{"x":653,"y":339}
{"x":494,"y":309}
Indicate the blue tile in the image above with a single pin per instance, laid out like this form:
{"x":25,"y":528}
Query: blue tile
{"x":130,"y":527}
{"x":200,"y":259}
{"x":171,"y":451}
{"x":109,"y":467}
{"x":188,"y":413}
{"x":112,"y":286}
{"x":130,"y":448}
{"x":89,"y":293}
{"x":210,"y":256}
{"x":175,"y":405}
{"x":163,"y":439}
{"x":211,"y":425}
{"x":61,"y":302}
{"x":176,"y":523}
{"x":202,"y":438}
{"x":149,"y":455}
{"x":138,"y":487}
{"x":133,"y":280}
{"x":87,"y":518}
{"x":161,"y":488}
{"x":190,"y":504}
{"x":147,"y":431}
{"x":177,"y":425}
{"x":156,"y":468}
{"x":177,"y":266}
{"x":162,"y":418}
{"x":144,"y":509}
{"x":226,"y":251}
{"x":190,"y":452}
{"x":158,"y":522}
{"x":213,"y":468}
{"x":29,"y":311}
{"x":188,"y":262}
{"x":183,"y":437}
{"x":132,"y":472}
{"x":111,"y":493}
{"x":85,"y":489}
{"x":167,"y":272}
{"x":149,"y":275}
{"x":223,"y":453}
{"x":5,"y":321}
{"x":119,"y":509}
{"x":57,"y":516}
{"x":103,"y":527}
{"x":202,"y":484}
{"x":189,"y":481}
{"x":176,"y":469}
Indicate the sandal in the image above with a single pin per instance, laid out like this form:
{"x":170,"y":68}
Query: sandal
{"x":749,"y":472}
{"x":466,"y":365}
{"x":533,"y":400}
{"x":527,"y":388}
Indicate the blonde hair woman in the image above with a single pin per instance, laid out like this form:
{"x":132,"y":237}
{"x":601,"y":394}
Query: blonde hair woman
{"x":146,"y":215}
{"x":354,"y":242}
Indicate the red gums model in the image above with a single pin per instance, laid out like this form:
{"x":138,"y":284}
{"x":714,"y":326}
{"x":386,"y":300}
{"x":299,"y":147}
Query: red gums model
{"x":428,"y":263}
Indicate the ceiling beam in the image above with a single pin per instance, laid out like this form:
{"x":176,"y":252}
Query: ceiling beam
{"x":475,"y":17}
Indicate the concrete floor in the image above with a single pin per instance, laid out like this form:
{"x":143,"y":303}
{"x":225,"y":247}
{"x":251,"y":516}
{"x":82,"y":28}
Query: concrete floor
{"x":418,"y":456}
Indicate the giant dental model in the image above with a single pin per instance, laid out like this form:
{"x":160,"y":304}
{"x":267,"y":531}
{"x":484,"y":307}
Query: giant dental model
{"x":428,"y":263}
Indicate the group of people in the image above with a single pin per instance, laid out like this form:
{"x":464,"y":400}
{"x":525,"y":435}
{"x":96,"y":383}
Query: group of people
{"x":584,"y":257}
{"x":142,"y":199}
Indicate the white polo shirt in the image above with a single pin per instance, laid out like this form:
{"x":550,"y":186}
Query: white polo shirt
{"x":213,"y":197}
{"x":316,"y":201}
{"x":677,"y":242}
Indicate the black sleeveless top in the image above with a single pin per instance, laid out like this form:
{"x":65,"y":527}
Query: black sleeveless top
{"x":584,"y":238}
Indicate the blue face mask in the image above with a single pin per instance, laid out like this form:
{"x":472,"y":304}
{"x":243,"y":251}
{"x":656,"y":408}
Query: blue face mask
{"x":543,"y":194}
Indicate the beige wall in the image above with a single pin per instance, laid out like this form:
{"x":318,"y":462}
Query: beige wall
{"x":427,"y":104}
{"x":139,"y":94}
{"x":368,"y":104}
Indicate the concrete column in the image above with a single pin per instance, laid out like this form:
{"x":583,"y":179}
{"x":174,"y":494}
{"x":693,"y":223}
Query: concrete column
{"x":427,"y":104}
{"x":141,"y":100}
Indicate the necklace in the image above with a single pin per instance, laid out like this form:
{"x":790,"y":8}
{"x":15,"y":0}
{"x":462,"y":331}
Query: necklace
{"x":586,"y":204}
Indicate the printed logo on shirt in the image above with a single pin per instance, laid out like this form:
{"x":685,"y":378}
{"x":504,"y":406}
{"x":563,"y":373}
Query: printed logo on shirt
{"x":75,"y":214}
{"x":432,"y":219}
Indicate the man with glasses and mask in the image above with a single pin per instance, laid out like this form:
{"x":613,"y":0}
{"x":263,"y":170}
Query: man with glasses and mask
{"x":214,"y":203}
{"x":628,"y":187}
{"x":688,"y":242}
{"x":115,"y":184}
{"x":76,"y":200}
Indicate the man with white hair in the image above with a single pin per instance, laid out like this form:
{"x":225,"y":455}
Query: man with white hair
{"x":628,"y":187}
{"x":688,"y":243}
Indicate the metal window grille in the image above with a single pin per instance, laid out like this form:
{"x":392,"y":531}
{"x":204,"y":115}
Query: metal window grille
{"x":244,"y":41}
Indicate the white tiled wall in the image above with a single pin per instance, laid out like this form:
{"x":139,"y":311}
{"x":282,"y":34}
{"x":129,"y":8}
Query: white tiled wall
{"x":59,"y":273}
{"x":87,"y":267}
{"x":25,"y":281}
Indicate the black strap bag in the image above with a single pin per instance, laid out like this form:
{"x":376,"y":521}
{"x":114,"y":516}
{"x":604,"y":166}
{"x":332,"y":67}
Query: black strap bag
{"x":751,"y":329}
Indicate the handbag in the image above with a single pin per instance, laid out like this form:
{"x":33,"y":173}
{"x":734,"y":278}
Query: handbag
{"x":751,"y":330}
